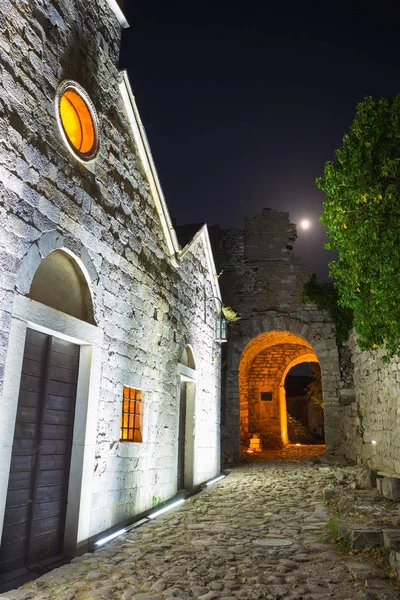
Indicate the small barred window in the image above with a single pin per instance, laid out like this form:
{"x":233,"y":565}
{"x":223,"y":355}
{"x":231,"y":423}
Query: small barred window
{"x":131,"y":418}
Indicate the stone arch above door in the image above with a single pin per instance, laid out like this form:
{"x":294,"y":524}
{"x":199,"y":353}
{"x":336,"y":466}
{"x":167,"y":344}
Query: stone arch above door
{"x":187,"y":358}
{"x":316,"y":338}
{"x":59,"y":283}
{"x":52,"y":274}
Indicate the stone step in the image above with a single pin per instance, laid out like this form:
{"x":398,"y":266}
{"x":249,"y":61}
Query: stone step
{"x":391,"y":539}
{"x":387,"y":474}
{"x":388,"y":487}
{"x":357,"y":537}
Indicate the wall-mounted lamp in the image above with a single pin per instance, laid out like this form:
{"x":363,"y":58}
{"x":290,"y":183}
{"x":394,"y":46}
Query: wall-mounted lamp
{"x":221,"y":330}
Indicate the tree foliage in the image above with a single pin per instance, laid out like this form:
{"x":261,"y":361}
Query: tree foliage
{"x":325,"y":296}
{"x":362,"y":215}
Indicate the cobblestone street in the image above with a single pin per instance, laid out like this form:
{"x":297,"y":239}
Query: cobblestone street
{"x":260,"y":533}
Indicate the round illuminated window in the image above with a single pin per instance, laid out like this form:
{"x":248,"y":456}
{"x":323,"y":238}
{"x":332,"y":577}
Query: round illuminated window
{"x":77,"y":120}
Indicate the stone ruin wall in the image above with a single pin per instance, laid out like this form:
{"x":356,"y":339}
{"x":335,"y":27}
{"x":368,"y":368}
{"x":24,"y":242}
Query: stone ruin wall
{"x":374,"y":413}
{"x":260,"y":271}
{"x":263,"y":280}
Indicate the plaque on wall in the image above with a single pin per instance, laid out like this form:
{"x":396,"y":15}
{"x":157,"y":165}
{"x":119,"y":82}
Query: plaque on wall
{"x":266,"y":396}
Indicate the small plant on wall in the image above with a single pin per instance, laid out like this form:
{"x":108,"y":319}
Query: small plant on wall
{"x":326,"y":297}
{"x":230,"y":315}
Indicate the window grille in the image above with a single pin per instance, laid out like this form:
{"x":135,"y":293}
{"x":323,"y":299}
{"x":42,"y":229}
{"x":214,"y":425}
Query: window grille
{"x":131,"y":418}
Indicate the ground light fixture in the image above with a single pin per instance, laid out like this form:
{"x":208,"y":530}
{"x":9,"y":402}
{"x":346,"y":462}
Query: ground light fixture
{"x":215,"y":479}
{"x":110,"y":537}
{"x":373,"y":442}
{"x":163,"y":510}
{"x":153,"y":515}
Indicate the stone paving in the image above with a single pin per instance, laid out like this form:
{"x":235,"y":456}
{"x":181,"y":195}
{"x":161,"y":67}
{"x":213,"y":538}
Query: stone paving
{"x":260,"y":533}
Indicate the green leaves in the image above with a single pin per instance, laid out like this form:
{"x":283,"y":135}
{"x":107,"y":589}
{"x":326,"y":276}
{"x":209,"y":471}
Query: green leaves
{"x":362,"y":215}
{"x":326,"y":298}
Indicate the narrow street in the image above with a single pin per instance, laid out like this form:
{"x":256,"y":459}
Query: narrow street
{"x":260,"y":533}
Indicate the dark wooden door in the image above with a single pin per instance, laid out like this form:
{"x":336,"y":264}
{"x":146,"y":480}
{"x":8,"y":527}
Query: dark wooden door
{"x":182,"y":437}
{"x":38,"y":484}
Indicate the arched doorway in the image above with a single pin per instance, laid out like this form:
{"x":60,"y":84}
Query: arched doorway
{"x":186,"y":425}
{"x":263,"y":367}
{"x":51,"y":333}
{"x":301,"y":385}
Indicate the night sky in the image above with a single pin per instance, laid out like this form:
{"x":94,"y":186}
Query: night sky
{"x":244,"y":103}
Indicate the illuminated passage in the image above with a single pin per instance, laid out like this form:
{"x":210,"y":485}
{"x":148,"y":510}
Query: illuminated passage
{"x":264,"y":364}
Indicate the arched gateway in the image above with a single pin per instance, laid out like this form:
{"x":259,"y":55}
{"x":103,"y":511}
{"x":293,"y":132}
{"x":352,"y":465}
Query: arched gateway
{"x":264,"y":364}
{"x":260,"y":355}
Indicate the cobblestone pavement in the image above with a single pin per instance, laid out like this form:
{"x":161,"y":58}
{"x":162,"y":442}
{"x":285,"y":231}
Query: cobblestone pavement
{"x":260,"y":533}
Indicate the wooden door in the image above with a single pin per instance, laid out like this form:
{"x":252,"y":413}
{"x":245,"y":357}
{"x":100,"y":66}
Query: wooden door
{"x":182,"y":437}
{"x":38,"y":483}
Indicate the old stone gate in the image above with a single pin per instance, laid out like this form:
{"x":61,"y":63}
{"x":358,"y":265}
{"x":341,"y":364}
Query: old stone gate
{"x":263,"y":281}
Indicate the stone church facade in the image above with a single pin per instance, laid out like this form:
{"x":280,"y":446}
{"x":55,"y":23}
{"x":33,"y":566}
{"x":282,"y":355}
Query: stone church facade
{"x":109,"y":366}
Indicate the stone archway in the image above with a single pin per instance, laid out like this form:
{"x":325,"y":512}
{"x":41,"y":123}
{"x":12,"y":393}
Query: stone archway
{"x":294,"y":339}
{"x":303,"y":358}
{"x":263,"y":366}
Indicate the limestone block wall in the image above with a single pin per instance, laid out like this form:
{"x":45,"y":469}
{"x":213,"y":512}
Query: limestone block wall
{"x":374,"y":415}
{"x":260,"y":271}
{"x":147,"y":306}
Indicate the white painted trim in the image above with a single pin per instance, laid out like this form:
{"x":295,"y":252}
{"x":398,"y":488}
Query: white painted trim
{"x":113,"y":4}
{"x":142,"y":144}
{"x":203,"y":235}
{"x":186,"y":373}
{"x":49,"y":320}
{"x":32,"y":314}
{"x":190,"y":433}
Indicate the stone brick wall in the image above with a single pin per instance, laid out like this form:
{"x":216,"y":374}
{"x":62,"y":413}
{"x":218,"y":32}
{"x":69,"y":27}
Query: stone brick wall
{"x":374,"y":413}
{"x":147,"y":307}
{"x":260,"y":270}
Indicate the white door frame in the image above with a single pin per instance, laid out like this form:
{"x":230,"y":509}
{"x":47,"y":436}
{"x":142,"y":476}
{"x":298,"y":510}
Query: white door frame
{"x":188,"y":376}
{"x":29,"y":313}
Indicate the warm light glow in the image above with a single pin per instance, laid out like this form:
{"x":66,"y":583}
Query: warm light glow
{"x":373,"y":442}
{"x":250,"y":451}
{"x":77,"y":122}
{"x":298,"y":444}
{"x":305,"y":224}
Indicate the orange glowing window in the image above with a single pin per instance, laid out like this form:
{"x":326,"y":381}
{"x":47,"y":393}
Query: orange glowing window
{"x":131,"y":418}
{"x":78,"y":122}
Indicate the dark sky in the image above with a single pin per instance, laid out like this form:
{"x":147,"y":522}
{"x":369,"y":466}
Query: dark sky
{"x":244,"y":103}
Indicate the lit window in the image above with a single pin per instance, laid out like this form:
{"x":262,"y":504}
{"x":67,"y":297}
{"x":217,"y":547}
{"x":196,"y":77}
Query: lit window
{"x":131,"y":418}
{"x":77,"y":120}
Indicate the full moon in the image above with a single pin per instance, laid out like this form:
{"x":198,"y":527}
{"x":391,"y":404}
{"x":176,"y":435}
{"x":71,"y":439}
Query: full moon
{"x":305,"y":224}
